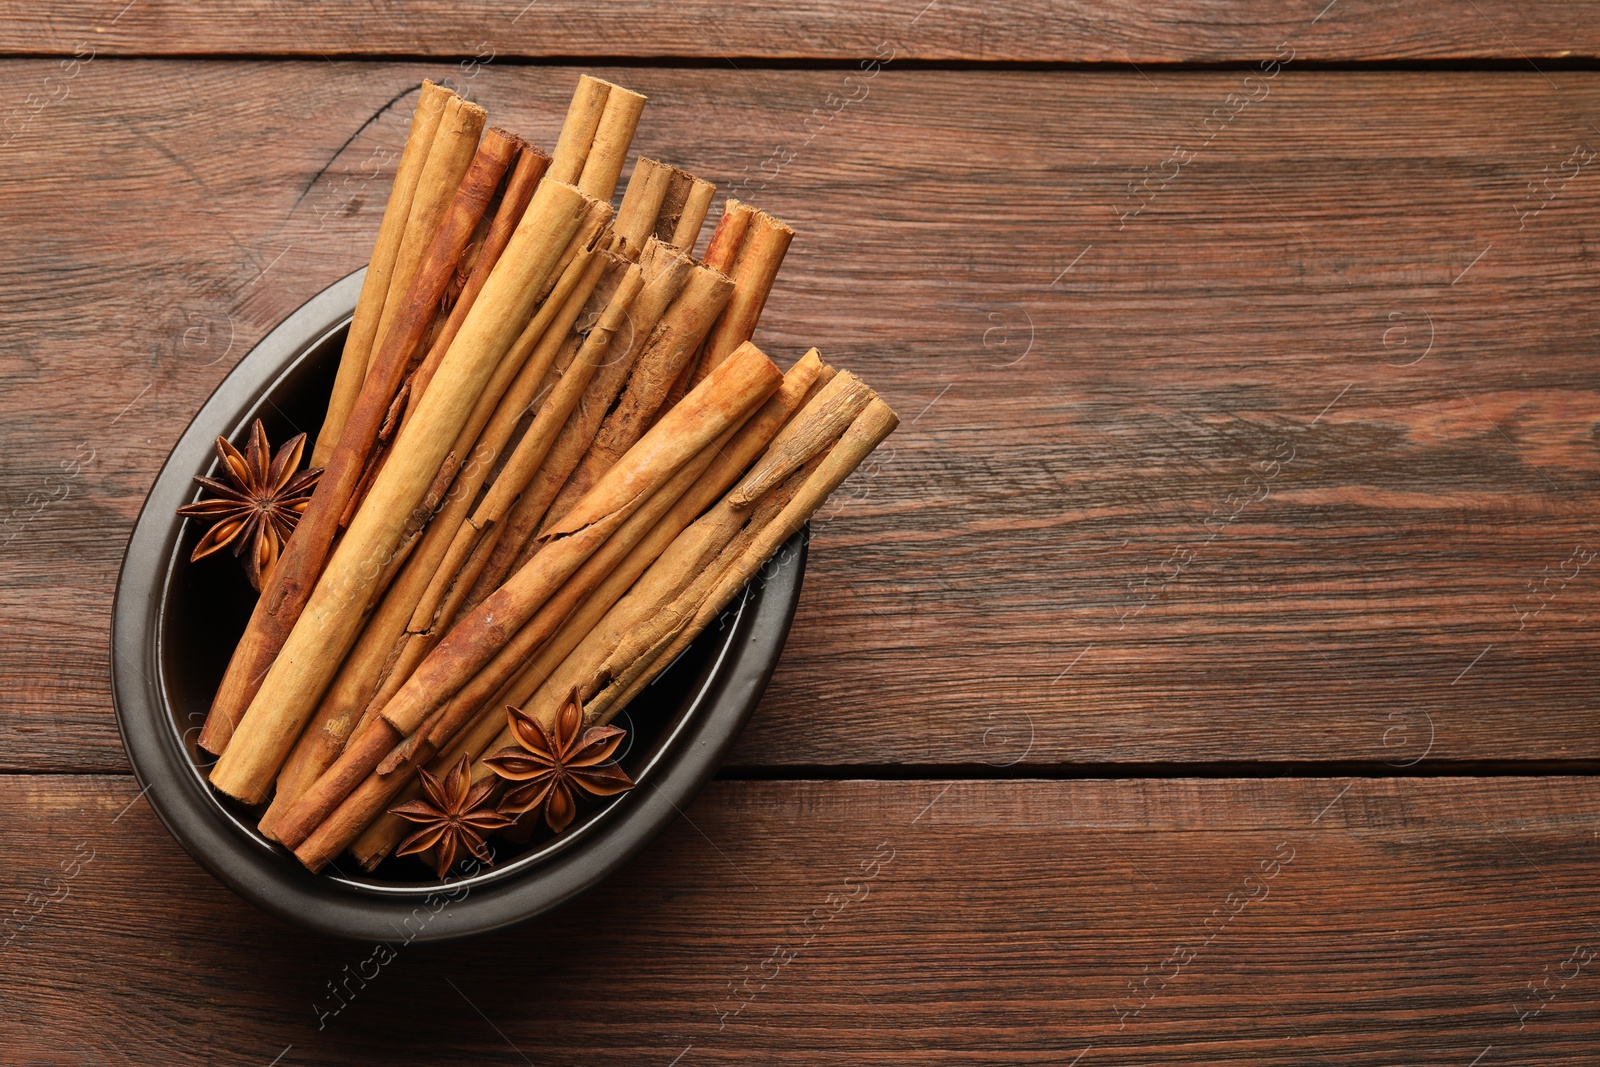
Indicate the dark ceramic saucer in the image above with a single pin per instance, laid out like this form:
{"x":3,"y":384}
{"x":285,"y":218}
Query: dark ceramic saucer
{"x":174,"y":624}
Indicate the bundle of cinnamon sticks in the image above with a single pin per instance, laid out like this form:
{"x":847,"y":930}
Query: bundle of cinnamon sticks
{"x":552,"y":456}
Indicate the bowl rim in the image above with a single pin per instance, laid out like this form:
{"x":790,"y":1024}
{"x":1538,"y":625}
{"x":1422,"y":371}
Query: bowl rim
{"x":267,"y":876}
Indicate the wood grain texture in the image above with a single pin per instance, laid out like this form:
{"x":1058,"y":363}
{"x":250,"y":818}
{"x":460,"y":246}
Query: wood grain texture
{"x":1389,"y":921}
{"x":1096,"y":31}
{"x":1088,"y":541}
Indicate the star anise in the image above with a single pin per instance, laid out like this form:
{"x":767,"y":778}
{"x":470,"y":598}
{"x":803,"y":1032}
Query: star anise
{"x":258,"y":506}
{"x":552,"y":765}
{"x":455,"y":819}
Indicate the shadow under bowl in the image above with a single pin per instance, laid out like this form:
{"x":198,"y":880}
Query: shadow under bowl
{"x":175,"y":624}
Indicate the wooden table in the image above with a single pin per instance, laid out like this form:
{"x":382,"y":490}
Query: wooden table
{"x":1206,"y":674}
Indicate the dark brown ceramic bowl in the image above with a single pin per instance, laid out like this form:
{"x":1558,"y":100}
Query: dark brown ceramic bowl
{"x":175,"y":623}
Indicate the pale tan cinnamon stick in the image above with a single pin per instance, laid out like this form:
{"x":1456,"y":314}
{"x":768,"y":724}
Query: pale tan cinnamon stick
{"x":577,"y":132}
{"x":332,"y":617}
{"x":674,"y":340}
{"x":594,"y":139}
{"x":358,"y":343}
{"x":725,"y":398}
{"x":454,"y":144}
{"x":609,"y":150}
{"x":641,"y":203}
{"x":690,"y":203}
{"x":292,"y":579}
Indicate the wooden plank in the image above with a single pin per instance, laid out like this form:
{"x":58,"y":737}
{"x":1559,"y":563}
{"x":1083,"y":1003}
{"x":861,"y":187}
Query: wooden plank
{"x":1269,"y":921}
{"x":1089,"y":541}
{"x":1095,"y":31}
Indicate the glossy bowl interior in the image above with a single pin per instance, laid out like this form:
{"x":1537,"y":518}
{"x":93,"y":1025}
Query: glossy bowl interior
{"x":175,"y":624}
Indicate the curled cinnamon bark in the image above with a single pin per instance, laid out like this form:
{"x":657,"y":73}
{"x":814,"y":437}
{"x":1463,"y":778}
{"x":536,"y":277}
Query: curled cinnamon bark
{"x":358,"y":342}
{"x":595,"y":137}
{"x":378,"y":652}
{"x":455,"y":143}
{"x":726,"y":398}
{"x":333,"y":612}
{"x":290,"y":586}
{"x":754,"y":269}
{"x":583,"y":603}
{"x":663,"y":202}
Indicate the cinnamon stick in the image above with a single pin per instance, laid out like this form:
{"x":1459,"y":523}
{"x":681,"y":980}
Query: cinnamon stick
{"x":754,"y":269}
{"x":665,"y":273}
{"x":670,"y":345}
{"x":641,"y":203}
{"x":691,"y":216}
{"x":436,"y":608}
{"x":287,"y":589}
{"x":595,"y":136}
{"x":332,"y":617}
{"x":358,"y":342}
{"x":723,"y":249}
{"x":725,"y":398}
{"x":577,"y":132}
{"x":679,"y":629}
{"x":663,"y":202}
{"x":721,"y":252}
{"x":455,"y":143}
{"x":609,"y":149}
{"x":519,"y":186}
{"x":375,"y":654}
{"x":835,"y":407}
